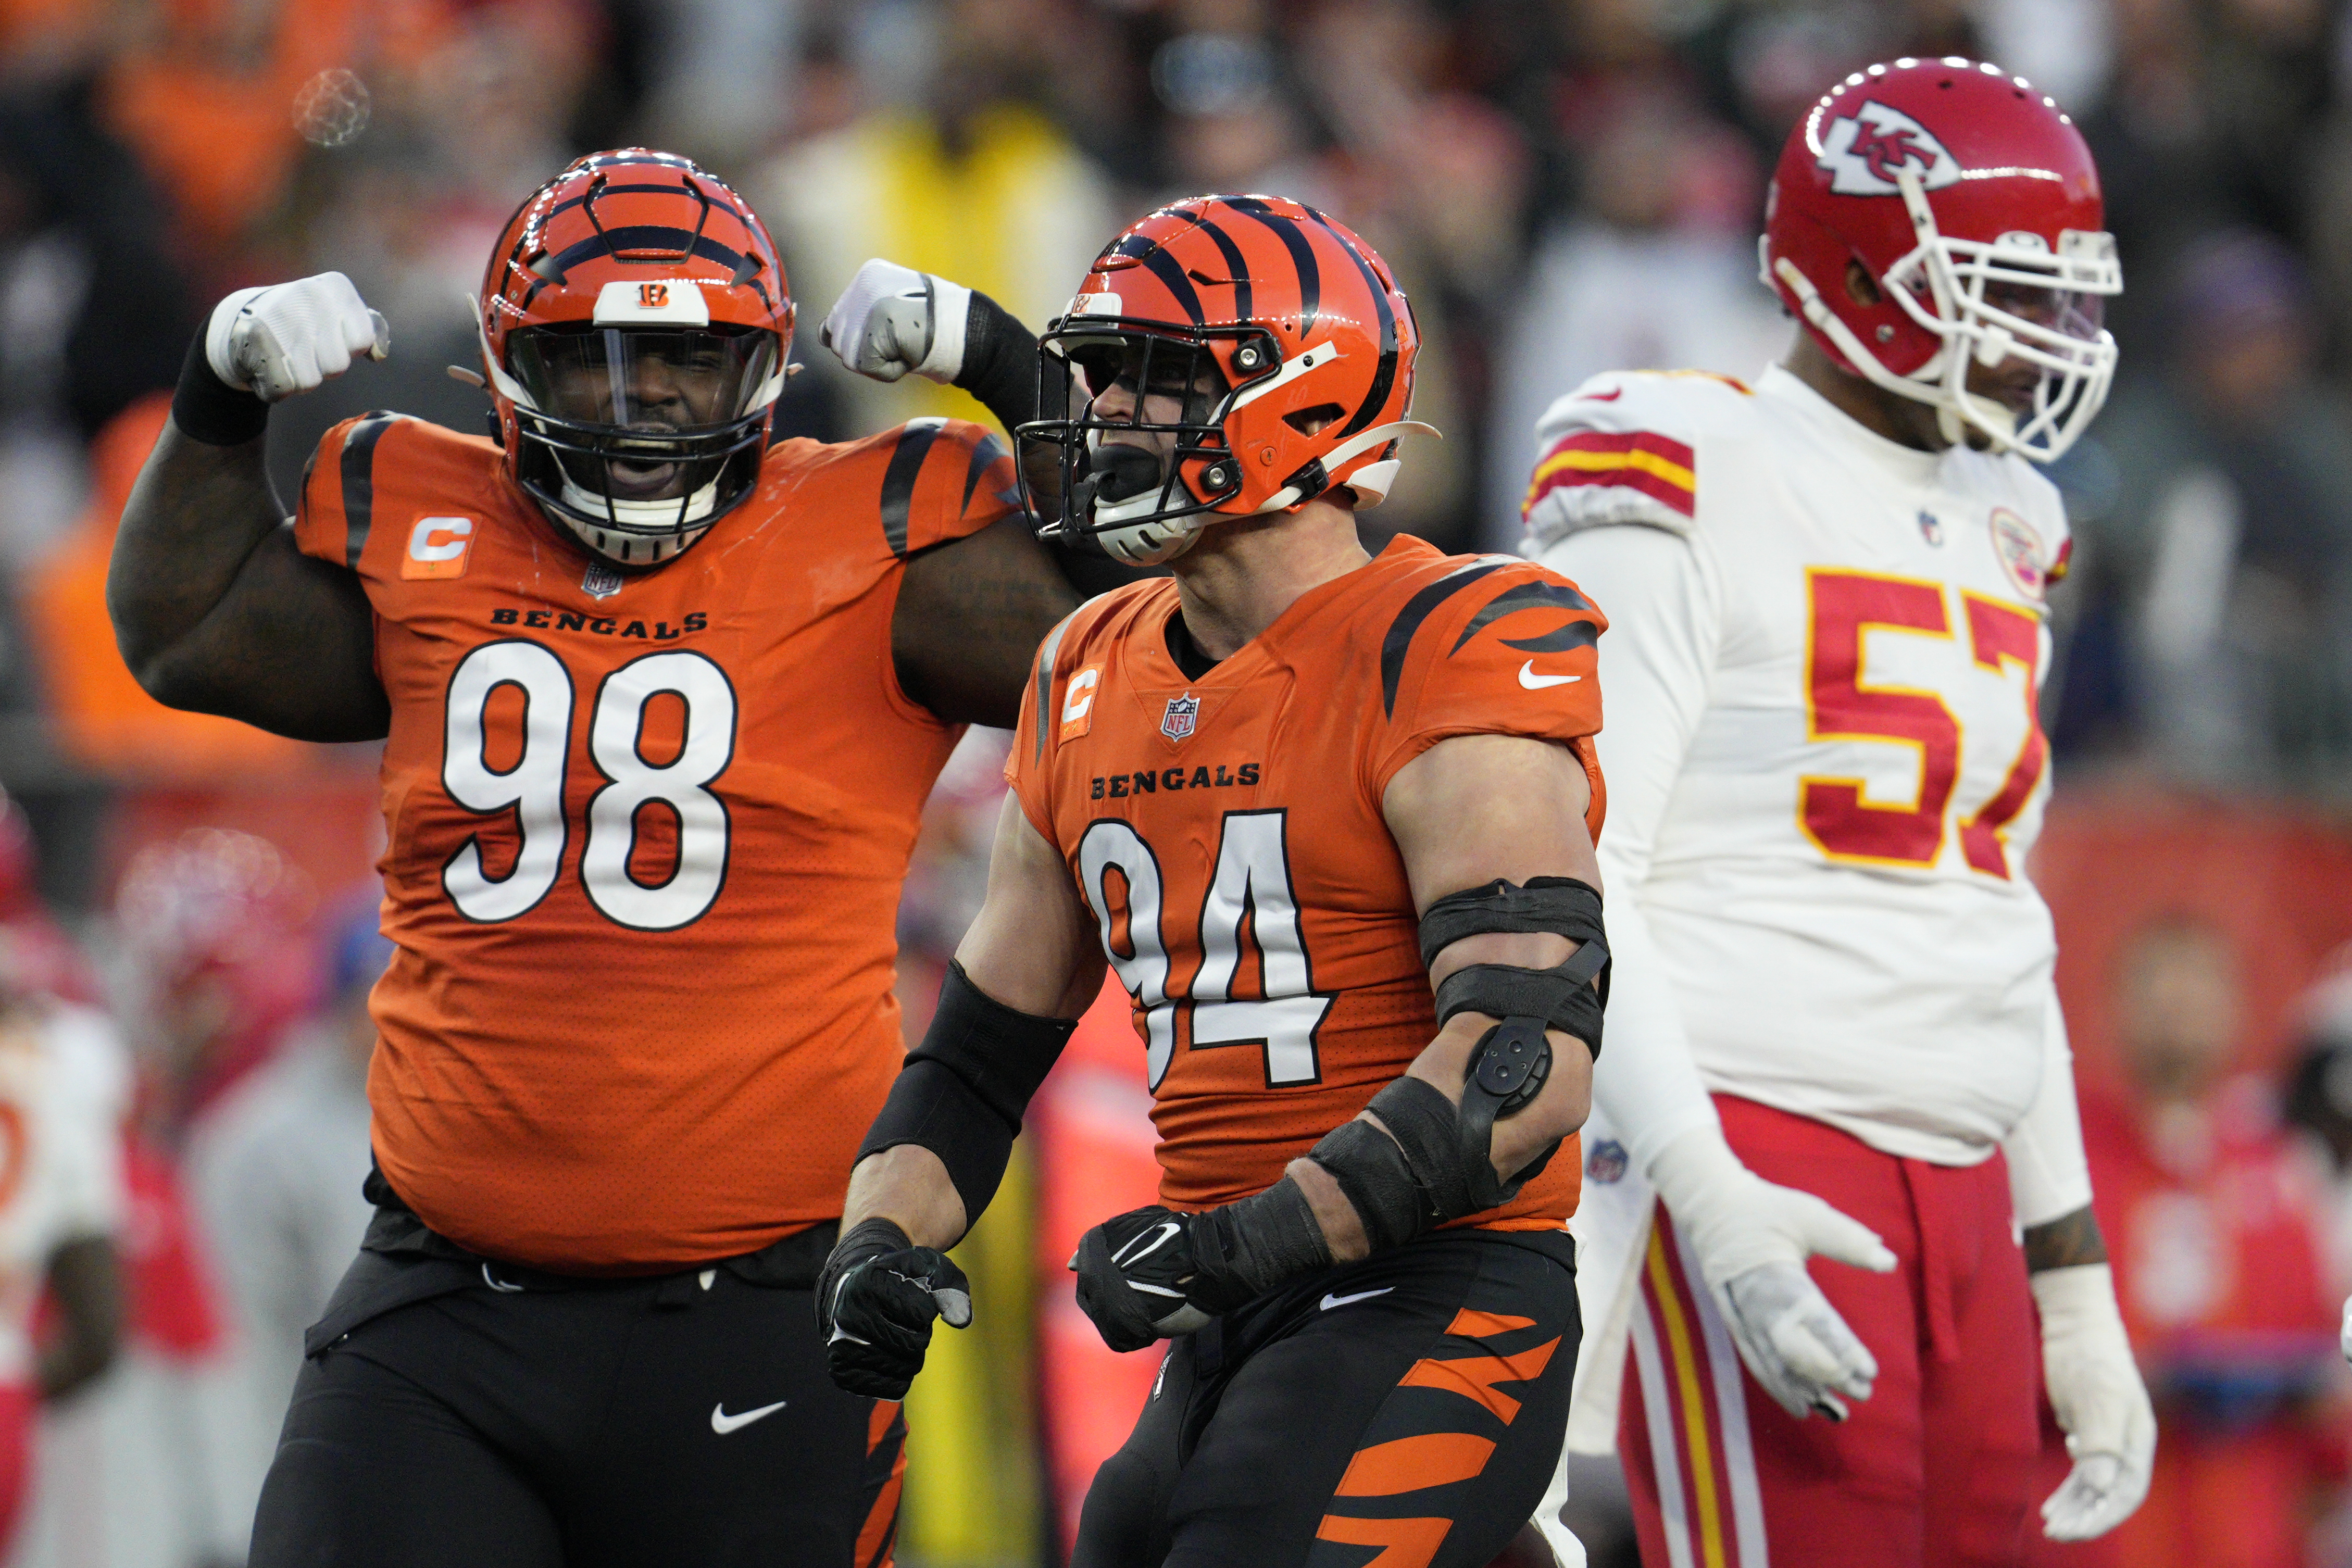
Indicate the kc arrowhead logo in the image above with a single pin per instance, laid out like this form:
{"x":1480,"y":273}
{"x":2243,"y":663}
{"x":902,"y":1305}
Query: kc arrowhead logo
{"x":1865,"y":149}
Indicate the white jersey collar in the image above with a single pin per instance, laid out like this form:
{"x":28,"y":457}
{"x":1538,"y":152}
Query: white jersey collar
{"x":1908,"y":464}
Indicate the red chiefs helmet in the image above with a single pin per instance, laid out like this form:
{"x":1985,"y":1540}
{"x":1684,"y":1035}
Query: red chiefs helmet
{"x":1972,"y":204}
{"x":1227,"y":356}
{"x":635,"y":325}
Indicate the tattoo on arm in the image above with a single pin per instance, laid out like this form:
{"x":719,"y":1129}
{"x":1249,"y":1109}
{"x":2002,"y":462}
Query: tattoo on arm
{"x":968,"y":620}
{"x":2067,"y":1241}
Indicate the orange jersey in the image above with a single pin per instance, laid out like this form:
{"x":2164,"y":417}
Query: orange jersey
{"x":1227,"y":832}
{"x":646,"y":835}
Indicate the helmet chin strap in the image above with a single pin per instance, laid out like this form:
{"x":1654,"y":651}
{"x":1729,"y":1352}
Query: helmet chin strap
{"x":1348,"y":452}
{"x":649,"y":515}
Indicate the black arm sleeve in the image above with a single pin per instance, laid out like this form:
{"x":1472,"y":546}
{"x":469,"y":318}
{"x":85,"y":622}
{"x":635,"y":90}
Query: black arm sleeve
{"x":1000,"y":362}
{"x":963,"y":1090}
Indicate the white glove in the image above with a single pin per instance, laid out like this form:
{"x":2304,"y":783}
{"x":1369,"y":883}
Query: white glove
{"x":2095,"y":1387}
{"x":1751,"y":1240}
{"x":289,"y":338}
{"x":892,"y":319}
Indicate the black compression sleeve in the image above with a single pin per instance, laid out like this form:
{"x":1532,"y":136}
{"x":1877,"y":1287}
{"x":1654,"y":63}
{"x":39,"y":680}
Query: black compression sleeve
{"x":1000,"y":362}
{"x":963,"y":1090}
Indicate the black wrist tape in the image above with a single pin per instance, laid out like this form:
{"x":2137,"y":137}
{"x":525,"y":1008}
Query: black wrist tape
{"x":208,"y":408}
{"x":1244,"y":1250}
{"x":1000,"y":362}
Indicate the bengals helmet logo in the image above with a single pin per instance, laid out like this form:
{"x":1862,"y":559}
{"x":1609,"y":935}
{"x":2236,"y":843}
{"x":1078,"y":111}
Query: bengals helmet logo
{"x":653,"y":296}
{"x":1865,"y":149}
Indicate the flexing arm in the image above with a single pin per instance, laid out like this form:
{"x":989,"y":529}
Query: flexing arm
{"x":972,"y":612}
{"x":970,"y":617}
{"x":213,"y":607}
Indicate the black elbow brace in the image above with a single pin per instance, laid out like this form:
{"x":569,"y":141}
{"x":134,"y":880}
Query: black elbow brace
{"x":963,"y":1090}
{"x":1571,"y":996}
{"x":1435,"y":1162}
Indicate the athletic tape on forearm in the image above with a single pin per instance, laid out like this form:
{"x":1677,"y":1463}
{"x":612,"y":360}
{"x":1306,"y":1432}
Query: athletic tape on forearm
{"x":965,"y":1088}
{"x":1244,"y":1250}
{"x":1000,"y":362}
{"x":209,"y":410}
{"x":1372,"y":1171}
{"x":1428,"y":1129}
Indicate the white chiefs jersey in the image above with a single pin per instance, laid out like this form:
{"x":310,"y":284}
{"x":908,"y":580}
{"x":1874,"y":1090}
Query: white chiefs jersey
{"x":1824,"y":766}
{"x":64,"y":1089}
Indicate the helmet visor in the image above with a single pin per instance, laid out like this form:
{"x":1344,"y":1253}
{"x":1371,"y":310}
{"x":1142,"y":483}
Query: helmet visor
{"x":641,"y":378}
{"x":651,"y":398}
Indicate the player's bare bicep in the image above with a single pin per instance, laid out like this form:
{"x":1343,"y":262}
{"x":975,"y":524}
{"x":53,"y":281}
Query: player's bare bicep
{"x":290,"y":648}
{"x":1478,"y":807}
{"x":1033,"y":945}
{"x":969,"y":619}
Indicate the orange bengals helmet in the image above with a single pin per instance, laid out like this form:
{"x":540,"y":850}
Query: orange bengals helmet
{"x":635,"y":324}
{"x":1227,"y":356}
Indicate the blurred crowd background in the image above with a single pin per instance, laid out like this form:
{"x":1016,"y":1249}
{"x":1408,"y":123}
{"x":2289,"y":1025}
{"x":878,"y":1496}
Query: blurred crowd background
{"x":1563,"y":186}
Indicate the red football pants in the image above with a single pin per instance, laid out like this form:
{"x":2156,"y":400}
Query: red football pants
{"x":1934,"y":1468}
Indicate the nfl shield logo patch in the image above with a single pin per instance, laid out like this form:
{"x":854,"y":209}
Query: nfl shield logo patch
{"x":1182,"y":713}
{"x":599,"y":581}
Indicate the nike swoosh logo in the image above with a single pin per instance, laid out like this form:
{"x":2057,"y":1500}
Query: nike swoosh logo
{"x":1535,"y":682}
{"x":722,"y":1423}
{"x":1331,"y":1302}
{"x":1145,"y":1245}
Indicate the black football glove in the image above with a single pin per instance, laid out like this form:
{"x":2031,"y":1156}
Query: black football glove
{"x":874,"y":1303}
{"x":1133,"y":1272}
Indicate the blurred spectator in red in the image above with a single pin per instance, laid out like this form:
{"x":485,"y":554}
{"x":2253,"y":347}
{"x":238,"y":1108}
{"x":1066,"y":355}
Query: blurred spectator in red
{"x":2230,"y":549}
{"x":275,"y":1169}
{"x":216,"y":965}
{"x":2217,"y":1224}
{"x":2319,"y":1088}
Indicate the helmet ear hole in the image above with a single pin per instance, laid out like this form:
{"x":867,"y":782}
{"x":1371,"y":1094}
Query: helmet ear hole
{"x":1860,"y":287}
{"x":1309,"y":421}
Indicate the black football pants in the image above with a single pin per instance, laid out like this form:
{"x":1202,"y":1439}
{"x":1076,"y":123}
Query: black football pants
{"x":1409,"y":1409}
{"x":637,"y":1423}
